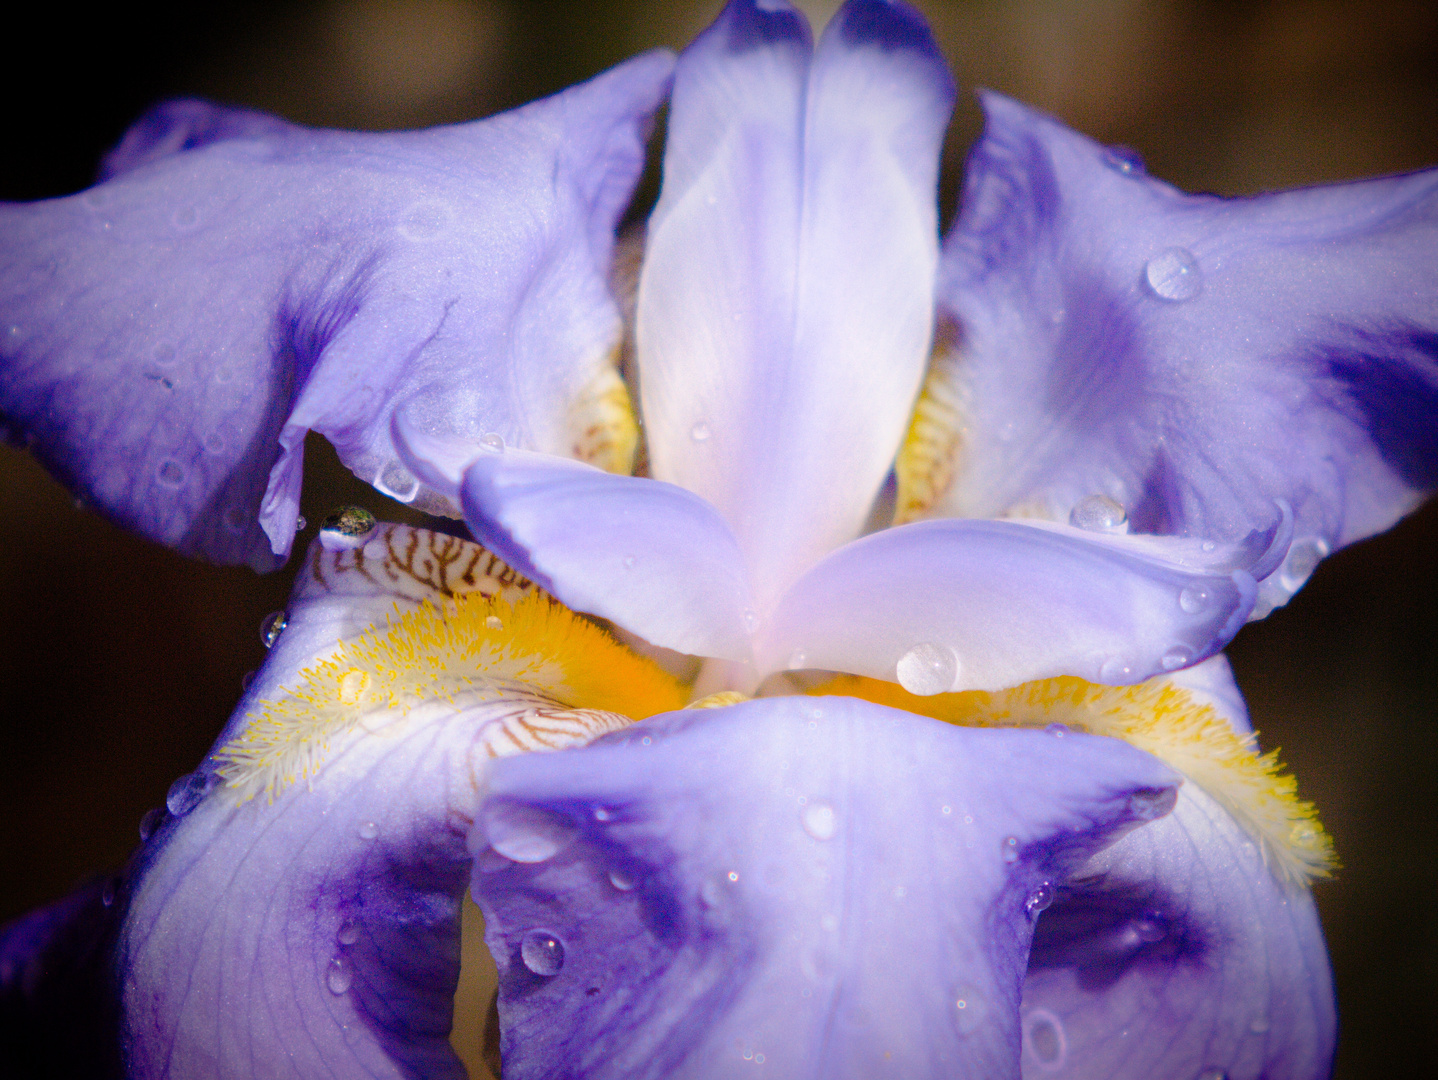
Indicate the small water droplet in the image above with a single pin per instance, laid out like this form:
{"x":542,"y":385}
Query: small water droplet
{"x":397,"y":482}
{"x":271,"y":627}
{"x":542,"y":953}
{"x":946,"y":810}
{"x":1039,"y":900}
{"x":820,"y":821}
{"x":1009,"y":849}
{"x":348,"y":933}
{"x":1124,"y":159}
{"x":622,"y":880}
{"x":1303,"y":558}
{"x":346,"y":528}
{"x":338,"y":976}
{"x":368,"y":830}
{"x":493,"y":622}
{"x":700,"y":432}
{"x":1174,"y":275}
{"x":1176,"y":657}
{"x":733,"y":875}
{"x":107,"y":892}
{"x":1209,"y":545}
{"x":1058,"y":731}
{"x":1115,"y":671}
{"x":751,"y":620}
{"x":1099,"y":513}
{"x":646,"y":740}
{"x":798,"y":659}
{"x":1044,"y":1038}
{"x":170,"y":473}
{"x":970,"y":1009}
{"x":525,"y":834}
{"x":492,"y":442}
{"x":247,"y":680}
{"x":629,"y":562}
{"x":1149,"y":803}
{"x":150,"y":822}
{"x":927,"y":669}
{"x":1194,"y":599}
{"x":1149,"y":929}
{"x":187,"y":792}
{"x":301,"y":523}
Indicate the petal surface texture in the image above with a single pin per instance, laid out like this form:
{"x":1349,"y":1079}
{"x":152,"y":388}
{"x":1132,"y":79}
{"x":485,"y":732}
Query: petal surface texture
{"x":1192,"y":358}
{"x":653,"y":557}
{"x":980,"y":605}
{"x":169,"y":336}
{"x":823,"y":887}
{"x":785,"y":305}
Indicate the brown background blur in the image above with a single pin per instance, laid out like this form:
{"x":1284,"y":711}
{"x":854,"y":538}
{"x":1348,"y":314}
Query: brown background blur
{"x":119,"y":661}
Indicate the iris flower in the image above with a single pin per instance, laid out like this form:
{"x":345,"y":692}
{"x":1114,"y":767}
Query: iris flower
{"x":877,"y":726}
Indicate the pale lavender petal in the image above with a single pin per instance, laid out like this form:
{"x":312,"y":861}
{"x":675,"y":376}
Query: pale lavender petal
{"x":962,"y":604}
{"x":815,"y":887}
{"x":654,"y":558}
{"x":1193,"y":358}
{"x":169,"y":336}
{"x":784,"y":310}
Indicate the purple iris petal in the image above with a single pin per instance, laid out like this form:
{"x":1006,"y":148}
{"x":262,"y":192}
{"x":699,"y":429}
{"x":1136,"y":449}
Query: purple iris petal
{"x":785,"y":306}
{"x":820,"y":886}
{"x":169,"y":336}
{"x":958,"y":604}
{"x":654,"y":558}
{"x":1193,"y":358}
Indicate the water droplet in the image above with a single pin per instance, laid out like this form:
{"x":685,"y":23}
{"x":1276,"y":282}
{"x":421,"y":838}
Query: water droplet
{"x":928,"y":669}
{"x":798,"y":659}
{"x":492,"y":442}
{"x":1099,"y":513}
{"x":272,"y":626}
{"x":820,"y":821}
{"x":542,"y":953}
{"x":1149,"y":803}
{"x":107,"y":892}
{"x":247,"y":680}
{"x":346,"y":528}
{"x":1209,"y":545}
{"x":970,"y":1009}
{"x":493,"y":622}
{"x":1058,"y":731}
{"x":622,"y":880}
{"x":1176,"y":657}
{"x":1149,"y":929}
{"x":1044,"y":1038}
{"x":525,"y":834}
{"x":751,"y":620}
{"x":646,"y":740}
{"x":1259,"y":1026}
{"x":150,"y":822}
{"x":1174,"y":275}
{"x":348,"y":933}
{"x":338,"y":976}
{"x":629,"y":562}
{"x":170,"y":473}
{"x":1194,"y":599}
{"x":1009,"y":849}
{"x":700,"y":432}
{"x":368,"y":830}
{"x":1038,"y":900}
{"x":353,"y":686}
{"x":1115,"y":671}
{"x":1303,"y":558}
{"x":946,"y":810}
{"x":397,"y":482}
{"x":1124,"y":159}
{"x":301,"y":523}
{"x":187,"y":792}
{"x":733,"y":875}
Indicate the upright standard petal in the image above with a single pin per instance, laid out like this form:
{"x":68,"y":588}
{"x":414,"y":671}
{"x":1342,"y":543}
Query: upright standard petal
{"x":170,"y":335}
{"x":1192,"y":358}
{"x":784,"y":309}
{"x":821,"y":887}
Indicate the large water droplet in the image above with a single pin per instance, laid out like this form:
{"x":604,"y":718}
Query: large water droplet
{"x":492,"y":442}
{"x":820,"y":821}
{"x":1099,"y":513}
{"x":1039,"y":899}
{"x":1174,"y":275}
{"x":271,"y":627}
{"x":1044,"y":1038}
{"x":525,"y":834}
{"x":1303,"y":558}
{"x":927,"y":669}
{"x":338,"y":976}
{"x":301,"y":523}
{"x":1176,"y":657}
{"x":187,"y":792}
{"x":348,"y":933}
{"x":1194,"y":599}
{"x":397,"y":482}
{"x":346,"y":528}
{"x":150,"y":822}
{"x":700,"y":432}
{"x":1124,"y":159}
{"x":542,"y":953}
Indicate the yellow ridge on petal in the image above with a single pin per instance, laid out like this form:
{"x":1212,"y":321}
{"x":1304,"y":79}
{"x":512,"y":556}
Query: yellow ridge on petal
{"x":924,"y":468}
{"x":1163,"y":720}
{"x":603,"y":429}
{"x":467,"y":649}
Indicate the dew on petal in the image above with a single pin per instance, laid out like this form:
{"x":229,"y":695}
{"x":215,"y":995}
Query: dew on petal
{"x":928,"y":669}
{"x":338,"y":976}
{"x":1124,"y":159}
{"x":397,"y":482}
{"x":150,"y":822}
{"x":1259,"y":1025}
{"x":348,"y":933}
{"x":970,"y":1009}
{"x":1099,"y":513}
{"x":1115,"y":671}
{"x":170,"y":473}
{"x":542,"y":953}
{"x":301,"y":523}
{"x":187,"y":792}
{"x":271,"y":627}
{"x":1044,"y":1038}
{"x":525,"y":835}
{"x":1039,"y":900}
{"x":1303,"y":558}
{"x":1174,"y":275}
{"x":629,"y":562}
{"x":751,"y":620}
{"x":819,"y":820}
{"x":107,"y":892}
{"x":346,"y":528}
{"x":700,"y":432}
{"x":1194,"y":599}
{"x":1212,"y":1074}
{"x":1058,"y":731}
{"x":368,"y":830}
{"x":1149,"y":929}
{"x":1009,"y":849}
{"x":492,"y":442}
{"x":622,"y":880}
{"x":798,"y":659}
{"x":1176,"y":657}
{"x":493,"y":622}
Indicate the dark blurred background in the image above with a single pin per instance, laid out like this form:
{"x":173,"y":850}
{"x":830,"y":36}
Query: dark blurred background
{"x":120,"y":661}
